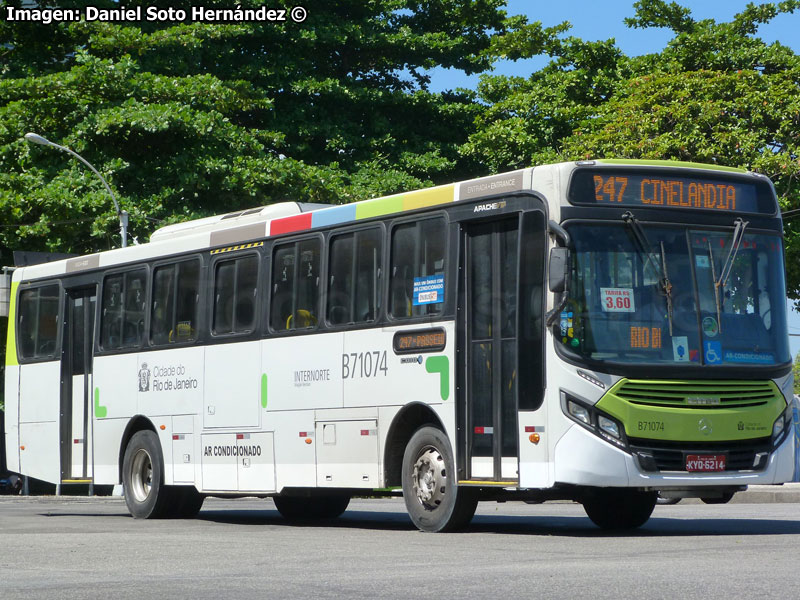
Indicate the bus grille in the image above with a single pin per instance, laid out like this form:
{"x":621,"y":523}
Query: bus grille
{"x":696,"y":394}
{"x":748,"y":455}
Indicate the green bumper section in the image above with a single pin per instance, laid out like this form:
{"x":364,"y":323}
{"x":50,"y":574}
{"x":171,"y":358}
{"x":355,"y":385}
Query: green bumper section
{"x":694,"y":411}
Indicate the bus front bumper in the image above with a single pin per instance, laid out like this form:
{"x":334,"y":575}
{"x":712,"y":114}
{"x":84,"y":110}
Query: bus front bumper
{"x":581,"y":458}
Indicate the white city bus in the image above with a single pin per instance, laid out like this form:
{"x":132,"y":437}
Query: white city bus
{"x":599,"y":331}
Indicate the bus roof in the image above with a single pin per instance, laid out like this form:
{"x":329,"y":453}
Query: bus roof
{"x":288,"y":217}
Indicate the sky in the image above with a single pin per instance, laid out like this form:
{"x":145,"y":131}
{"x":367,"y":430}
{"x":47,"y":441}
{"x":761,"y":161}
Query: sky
{"x":603,"y":19}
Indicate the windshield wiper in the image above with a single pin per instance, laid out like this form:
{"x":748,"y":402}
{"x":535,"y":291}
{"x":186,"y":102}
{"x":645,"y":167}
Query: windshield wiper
{"x":666,"y":285}
{"x":739,"y":225}
{"x":644,"y":247}
{"x":716,"y":287}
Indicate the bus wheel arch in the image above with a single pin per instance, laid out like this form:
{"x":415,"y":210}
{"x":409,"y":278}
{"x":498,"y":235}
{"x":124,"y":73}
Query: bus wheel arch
{"x":410,"y":418}
{"x":136,"y":424}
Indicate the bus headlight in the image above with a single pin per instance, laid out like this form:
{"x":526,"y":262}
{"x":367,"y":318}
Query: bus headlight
{"x":599,"y":423}
{"x":580,"y":413}
{"x":781,"y":427}
{"x":609,"y":426}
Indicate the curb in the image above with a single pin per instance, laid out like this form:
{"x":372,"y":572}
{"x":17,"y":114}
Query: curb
{"x":767,"y":494}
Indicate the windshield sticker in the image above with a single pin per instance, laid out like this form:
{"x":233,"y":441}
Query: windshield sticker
{"x":710,"y":327}
{"x":428,"y":290}
{"x":712,"y":352}
{"x":749,"y":357}
{"x":701,"y":261}
{"x":617,"y":300}
{"x":680,"y":348}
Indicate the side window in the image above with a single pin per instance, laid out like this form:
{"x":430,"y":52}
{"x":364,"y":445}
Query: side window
{"x":176,"y":296}
{"x":38,"y":322}
{"x":123,"y":310}
{"x":340,"y":279}
{"x":416,"y":287}
{"x":235,"y":295}
{"x":295,"y":285}
{"x":355,"y":277}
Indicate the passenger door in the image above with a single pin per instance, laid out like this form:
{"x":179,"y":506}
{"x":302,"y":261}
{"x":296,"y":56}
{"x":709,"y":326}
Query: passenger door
{"x":490,"y":283}
{"x":76,"y":385}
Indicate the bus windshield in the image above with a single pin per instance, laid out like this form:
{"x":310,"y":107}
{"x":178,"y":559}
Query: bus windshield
{"x":675,"y":295}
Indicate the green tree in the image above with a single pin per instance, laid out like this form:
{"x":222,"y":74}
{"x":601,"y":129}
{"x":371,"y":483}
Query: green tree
{"x":193,"y":118}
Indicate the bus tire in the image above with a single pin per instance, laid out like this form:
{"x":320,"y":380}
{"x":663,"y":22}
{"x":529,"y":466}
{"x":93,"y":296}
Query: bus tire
{"x":619,"y":508}
{"x":185,"y":502}
{"x":724,"y":499}
{"x":143,"y":477}
{"x":434,"y":500}
{"x":317,"y":507}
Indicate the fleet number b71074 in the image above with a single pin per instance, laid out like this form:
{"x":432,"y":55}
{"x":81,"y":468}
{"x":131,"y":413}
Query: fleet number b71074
{"x":364,"y":364}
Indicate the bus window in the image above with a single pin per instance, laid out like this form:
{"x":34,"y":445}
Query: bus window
{"x":235,"y":295}
{"x":295,"y":285}
{"x":340,"y":283}
{"x":417,"y":270}
{"x":38,"y":322}
{"x":123,"y":309}
{"x":173,"y":316}
{"x":354,"y":284}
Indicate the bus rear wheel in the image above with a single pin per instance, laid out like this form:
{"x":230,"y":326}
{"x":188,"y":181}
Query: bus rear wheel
{"x":318,"y":507}
{"x":185,"y":502}
{"x":433,"y":499}
{"x":143,"y":477}
{"x":616,"y":508}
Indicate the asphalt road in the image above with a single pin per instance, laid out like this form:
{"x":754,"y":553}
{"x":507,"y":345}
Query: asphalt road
{"x":91,"y":548}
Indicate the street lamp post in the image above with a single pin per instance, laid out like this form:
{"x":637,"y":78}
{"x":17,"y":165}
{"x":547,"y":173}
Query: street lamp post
{"x":121,"y":214}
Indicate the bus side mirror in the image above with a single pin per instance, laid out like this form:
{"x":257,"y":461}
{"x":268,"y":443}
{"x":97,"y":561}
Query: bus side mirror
{"x":558,"y":269}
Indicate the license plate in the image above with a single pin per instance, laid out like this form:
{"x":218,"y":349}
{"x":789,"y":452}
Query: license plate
{"x":705,"y":462}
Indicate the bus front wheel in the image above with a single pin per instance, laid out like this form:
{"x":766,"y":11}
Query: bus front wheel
{"x":433,"y":499}
{"x":143,"y":476}
{"x":619,"y":508}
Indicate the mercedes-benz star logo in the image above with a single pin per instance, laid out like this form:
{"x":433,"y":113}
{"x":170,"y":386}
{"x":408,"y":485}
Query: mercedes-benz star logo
{"x":704,"y":425}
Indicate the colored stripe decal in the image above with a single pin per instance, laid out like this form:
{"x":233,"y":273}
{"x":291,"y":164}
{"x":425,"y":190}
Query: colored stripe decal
{"x":429,"y":197}
{"x":667,"y":163}
{"x":365,"y":209}
{"x":101,"y":412}
{"x":333,"y":216}
{"x":290,"y":224}
{"x":11,"y":338}
{"x":379,"y":207}
{"x":440,"y":365}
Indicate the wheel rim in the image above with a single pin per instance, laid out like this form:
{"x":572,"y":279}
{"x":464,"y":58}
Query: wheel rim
{"x":141,"y":475}
{"x":429,"y":478}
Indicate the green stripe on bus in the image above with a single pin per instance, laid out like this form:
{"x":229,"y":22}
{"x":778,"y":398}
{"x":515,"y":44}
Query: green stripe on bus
{"x":99,"y":411}
{"x":379,"y":207}
{"x":264,"y":390}
{"x":11,"y":337}
{"x":668,"y":163}
{"x":441,"y":365}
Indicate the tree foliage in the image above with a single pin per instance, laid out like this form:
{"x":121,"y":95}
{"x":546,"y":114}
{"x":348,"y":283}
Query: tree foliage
{"x":194,"y":118}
